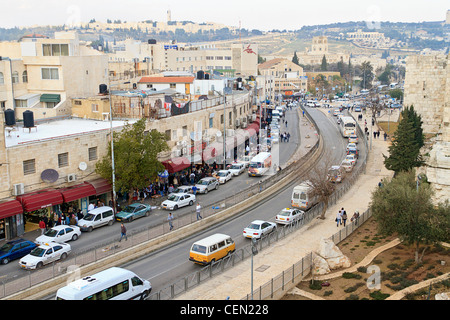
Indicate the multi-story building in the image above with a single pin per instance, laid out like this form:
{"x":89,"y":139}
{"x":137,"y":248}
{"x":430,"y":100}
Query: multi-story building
{"x":319,"y":49}
{"x":42,"y":74}
{"x":288,"y":77}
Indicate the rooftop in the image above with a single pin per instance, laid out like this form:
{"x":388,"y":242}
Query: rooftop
{"x":58,"y":129}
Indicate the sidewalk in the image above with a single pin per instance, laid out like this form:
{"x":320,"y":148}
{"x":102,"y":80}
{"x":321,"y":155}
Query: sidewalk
{"x":236,"y":282}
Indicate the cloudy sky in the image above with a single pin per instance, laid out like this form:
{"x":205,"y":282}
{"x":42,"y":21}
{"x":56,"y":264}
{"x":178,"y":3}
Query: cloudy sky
{"x":251,"y":14}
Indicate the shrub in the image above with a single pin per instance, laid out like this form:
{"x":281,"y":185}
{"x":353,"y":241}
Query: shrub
{"x":352,"y":297}
{"x":315,"y":285}
{"x":354,"y":288}
{"x":393,"y":266}
{"x":328,"y":293}
{"x":378,"y":295}
{"x":362,"y":269}
{"x":349,"y":275}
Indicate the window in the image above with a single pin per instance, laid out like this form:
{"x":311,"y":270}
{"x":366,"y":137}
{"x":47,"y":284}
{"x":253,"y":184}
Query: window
{"x":29,"y":166}
{"x":25,"y":76}
{"x":227,"y":58}
{"x":2,"y":78}
{"x":50,"y":73}
{"x":168,"y":134}
{"x":173,"y":85}
{"x":77,"y":102}
{"x":92,"y":153}
{"x":219,"y":58}
{"x":63,"y":159}
{"x":55,"y":49}
{"x":15,"y":77}
{"x":94,"y":107}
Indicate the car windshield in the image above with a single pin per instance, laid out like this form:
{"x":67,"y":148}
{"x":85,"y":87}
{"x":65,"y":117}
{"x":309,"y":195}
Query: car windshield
{"x":235,"y":167}
{"x":51,"y":233}
{"x":253,"y":226}
{"x":129,"y":209}
{"x":203,"y":182}
{"x":173,"y":198}
{"x":284,"y":213}
{"x":223,"y":174}
{"x":38,"y":252}
{"x":255,"y":165}
{"x":89,"y":217}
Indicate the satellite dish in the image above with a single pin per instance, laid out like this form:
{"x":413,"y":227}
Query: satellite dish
{"x":218,"y":134}
{"x":49,"y":175}
{"x":82,"y":166}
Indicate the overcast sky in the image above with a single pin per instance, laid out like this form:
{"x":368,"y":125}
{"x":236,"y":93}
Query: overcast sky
{"x":252,"y":14}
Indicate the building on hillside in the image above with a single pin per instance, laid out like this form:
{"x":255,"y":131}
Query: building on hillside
{"x":427,"y":88}
{"x":319,"y":49}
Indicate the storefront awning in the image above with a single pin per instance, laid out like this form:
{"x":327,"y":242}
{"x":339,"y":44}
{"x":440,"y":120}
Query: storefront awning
{"x":176,"y":164}
{"x":47,"y":97}
{"x":77,"y":192}
{"x":101,"y":186}
{"x":40,"y":199}
{"x":10,"y":208}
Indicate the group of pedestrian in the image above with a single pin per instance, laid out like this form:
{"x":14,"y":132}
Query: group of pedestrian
{"x":285,"y":136}
{"x":376,"y":134}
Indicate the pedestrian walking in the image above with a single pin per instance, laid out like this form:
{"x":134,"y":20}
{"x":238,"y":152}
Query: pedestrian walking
{"x":338,"y":218}
{"x":342,"y":214}
{"x":123,"y":232}
{"x":288,"y":136}
{"x":385,"y":136}
{"x":198,"y":209}
{"x":344,"y":217}
{"x":355,"y":217}
{"x":170,"y":219}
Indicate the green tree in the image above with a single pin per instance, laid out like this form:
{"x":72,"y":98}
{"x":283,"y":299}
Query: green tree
{"x":295,"y":58}
{"x":403,"y":207}
{"x":367,"y":75}
{"x":396,"y":94}
{"x":324,"y":65}
{"x":135,"y":157}
{"x":404,"y":152}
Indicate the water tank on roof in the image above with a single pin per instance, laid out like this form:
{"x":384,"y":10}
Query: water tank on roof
{"x":200,"y":74}
{"x":10,"y":117}
{"x":103,"y":88}
{"x":28,"y":119}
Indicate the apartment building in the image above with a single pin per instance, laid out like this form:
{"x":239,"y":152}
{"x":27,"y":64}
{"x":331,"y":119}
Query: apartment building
{"x":42,"y":74}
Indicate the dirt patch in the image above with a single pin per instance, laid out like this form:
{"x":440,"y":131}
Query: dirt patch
{"x":397,"y":267}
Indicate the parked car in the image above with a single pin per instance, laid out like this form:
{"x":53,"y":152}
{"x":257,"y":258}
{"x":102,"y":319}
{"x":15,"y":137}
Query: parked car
{"x":224,"y":175}
{"x":178,"y":200}
{"x":45,"y":254}
{"x":182,"y":189}
{"x":353,"y":139}
{"x":15,"y":249}
{"x":357,"y":109}
{"x":335,"y":174}
{"x":97,"y":217}
{"x":207,"y":184}
{"x":246,"y":160}
{"x":258,"y":229}
{"x":353,"y":151}
{"x":351,"y":145}
{"x":133,"y":211}
{"x":288,"y":216}
{"x":237,"y":168}
{"x":62,"y":233}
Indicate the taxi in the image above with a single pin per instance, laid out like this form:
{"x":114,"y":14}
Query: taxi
{"x":45,"y":254}
{"x":288,"y":216}
{"x":353,"y":139}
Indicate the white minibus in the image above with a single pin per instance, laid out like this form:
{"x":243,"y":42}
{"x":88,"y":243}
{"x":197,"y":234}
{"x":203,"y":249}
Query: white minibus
{"x":111,"y":284}
{"x":347,"y":126}
{"x":302,"y":197}
{"x":260,"y":164}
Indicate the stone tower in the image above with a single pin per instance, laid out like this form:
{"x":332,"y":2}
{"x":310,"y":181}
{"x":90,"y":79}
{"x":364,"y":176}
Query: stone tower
{"x":319,"y":45}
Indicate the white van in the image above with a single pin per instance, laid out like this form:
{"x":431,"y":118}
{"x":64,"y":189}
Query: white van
{"x":111,"y":284}
{"x":301,"y":196}
{"x":97,"y":217}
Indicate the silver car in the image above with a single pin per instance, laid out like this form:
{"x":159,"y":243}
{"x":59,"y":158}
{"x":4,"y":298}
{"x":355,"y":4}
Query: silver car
{"x":207,"y":184}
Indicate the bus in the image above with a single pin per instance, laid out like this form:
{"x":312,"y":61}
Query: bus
{"x":211,"y":249}
{"x":302,"y":197}
{"x":260,"y":164}
{"x":347,"y":126}
{"x":111,"y":284}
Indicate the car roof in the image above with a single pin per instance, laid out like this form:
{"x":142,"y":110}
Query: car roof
{"x":100,"y":209}
{"x":208,"y":178}
{"x":51,"y":244}
{"x":18,"y":241}
{"x":258,"y":221}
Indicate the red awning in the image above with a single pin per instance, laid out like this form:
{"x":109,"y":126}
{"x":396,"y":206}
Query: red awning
{"x":40,"y":199}
{"x":101,"y":186}
{"x":77,"y":192}
{"x":253,"y":128}
{"x":176,"y":164}
{"x":10,"y":208}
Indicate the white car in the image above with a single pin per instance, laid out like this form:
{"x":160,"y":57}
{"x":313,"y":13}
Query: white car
{"x":288,"y":216}
{"x":351,"y":158}
{"x":246,"y":160}
{"x":347,"y":165}
{"x":60,"y":234}
{"x":258,"y":229}
{"x":351,"y":145}
{"x":182,"y":189}
{"x":224,"y":176}
{"x":237,"y":168}
{"x":44,"y":254}
{"x":206,"y":184}
{"x":353,"y":139}
{"x":178,"y":200}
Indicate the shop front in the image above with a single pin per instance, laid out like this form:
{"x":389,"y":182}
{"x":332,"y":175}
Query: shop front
{"x":11,"y":220}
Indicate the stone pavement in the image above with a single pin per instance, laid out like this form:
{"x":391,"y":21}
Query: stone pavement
{"x":235,"y":283}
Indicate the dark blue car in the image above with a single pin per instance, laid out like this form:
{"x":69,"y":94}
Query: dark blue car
{"x":15,"y":249}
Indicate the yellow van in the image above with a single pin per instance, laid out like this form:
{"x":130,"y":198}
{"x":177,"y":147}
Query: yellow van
{"x":211,"y":249}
